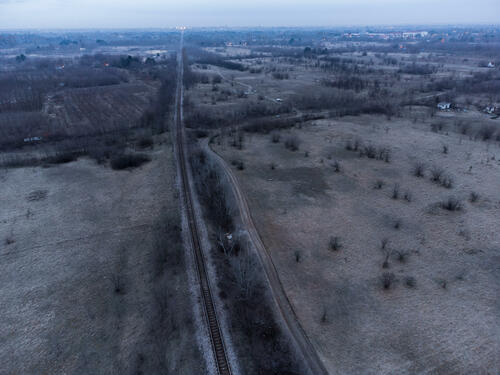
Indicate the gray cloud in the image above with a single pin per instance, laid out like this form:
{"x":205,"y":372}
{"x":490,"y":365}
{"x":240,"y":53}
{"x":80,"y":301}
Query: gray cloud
{"x":167,"y":13}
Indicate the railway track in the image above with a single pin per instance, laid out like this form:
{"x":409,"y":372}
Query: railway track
{"x":216,"y":337}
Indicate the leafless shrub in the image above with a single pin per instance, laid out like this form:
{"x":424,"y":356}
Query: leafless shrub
{"x":145,"y":142}
{"x":387,"y":156}
{"x":402,"y":255}
{"x":408,"y":196}
{"x":336,"y":166}
{"x":227,"y":244}
{"x":353,"y":145}
{"x":464,"y":128}
{"x":437,"y":127}
{"x":383,"y":153}
{"x":275,"y":137}
{"x":61,"y":157}
{"x":395,"y":191}
{"x":238,"y":164}
{"x":292,"y":143}
{"x":379,"y":184}
{"x":473,"y":197}
{"x":369,"y":151}
{"x":436,"y":173}
{"x":410,"y":282}
{"x":443,"y":283}
{"x":298,"y":255}
{"x":9,"y":240}
{"x":451,"y":204}
{"x":397,"y":224}
{"x":486,"y":132}
{"x":324,"y":315}
{"x":356,"y":144}
{"x":237,"y":141}
{"x":335,"y":243}
{"x":440,"y":177}
{"x":118,"y":282}
{"x":273,"y":166}
{"x":37,"y":195}
{"x":418,"y":169}
{"x":244,"y":271}
{"x":388,"y":279}
{"x":383,"y":243}
{"x":447,"y":181}
{"x":445,"y":149}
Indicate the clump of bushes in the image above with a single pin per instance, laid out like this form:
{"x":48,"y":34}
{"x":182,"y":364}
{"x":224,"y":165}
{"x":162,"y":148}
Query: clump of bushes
{"x":62,"y":157}
{"x":440,"y":177}
{"x":436,"y":174}
{"x":371,"y":152}
{"x":437,"y":127}
{"x":128,"y":161}
{"x":353,"y":145}
{"x":238,"y":164}
{"x":486,"y":132}
{"x":145,"y":142}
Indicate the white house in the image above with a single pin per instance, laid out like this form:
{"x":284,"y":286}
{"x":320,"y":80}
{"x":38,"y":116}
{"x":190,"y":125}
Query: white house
{"x":444,"y":105}
{"x":491,"y":64}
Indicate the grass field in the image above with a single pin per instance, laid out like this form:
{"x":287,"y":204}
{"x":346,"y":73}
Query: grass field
{"x":438,"y":314}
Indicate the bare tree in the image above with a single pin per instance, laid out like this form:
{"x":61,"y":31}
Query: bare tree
{"x":245,"y":274}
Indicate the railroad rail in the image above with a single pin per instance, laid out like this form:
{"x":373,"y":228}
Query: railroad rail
{"x":216,"y":337}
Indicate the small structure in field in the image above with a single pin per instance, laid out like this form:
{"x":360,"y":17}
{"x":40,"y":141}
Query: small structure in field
{"x":491,"y":64}
{"x":443,"y":106}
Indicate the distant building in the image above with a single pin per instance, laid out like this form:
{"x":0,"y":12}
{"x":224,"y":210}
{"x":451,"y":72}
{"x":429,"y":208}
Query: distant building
{"x":490,"y":110}
{"x":491,"y":64}
{"x":32,"y":139}
{"x":444,"y":106}
{"x":415,"y":34}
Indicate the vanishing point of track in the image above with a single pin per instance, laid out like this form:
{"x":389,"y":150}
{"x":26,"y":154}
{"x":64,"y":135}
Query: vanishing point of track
{"x":208,"y":303}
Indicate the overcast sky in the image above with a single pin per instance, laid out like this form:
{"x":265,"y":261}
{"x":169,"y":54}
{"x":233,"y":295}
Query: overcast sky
{"x":168,"y":13}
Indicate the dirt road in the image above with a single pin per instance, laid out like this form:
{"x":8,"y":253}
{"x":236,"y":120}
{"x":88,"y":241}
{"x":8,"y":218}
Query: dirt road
{"x":285,"y":308}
